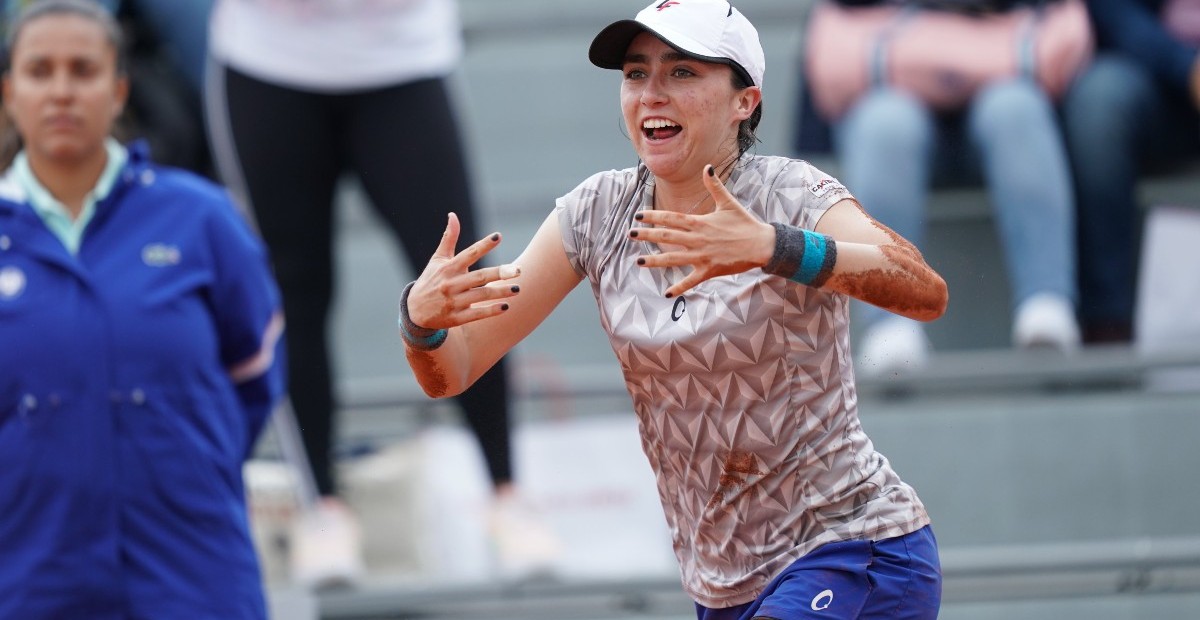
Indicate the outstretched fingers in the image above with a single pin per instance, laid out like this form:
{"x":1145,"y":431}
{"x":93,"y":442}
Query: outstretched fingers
{"x":448,"y":293}
{"x":463,"y":260}
{"x":722,"y":197}
{"x":665,"y":234}
{"x":480,"y":294}
{"x":694,"y":278}
{"x":449,"y":240}
{"x":487,"y":284}
{"x":726,"y":241}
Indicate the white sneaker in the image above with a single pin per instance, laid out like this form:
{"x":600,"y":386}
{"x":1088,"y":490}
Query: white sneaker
{"x":326,"y":546}
{"x":1046,"y":320}
{"x":524,"y":545}
{"x":891,"y":346}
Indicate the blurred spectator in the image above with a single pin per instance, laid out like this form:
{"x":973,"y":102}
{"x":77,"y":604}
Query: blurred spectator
{"x":140,"y":356}
{"x":307,"y":92}
{"x":1133,"y":110}
{"x":936,"y":103}
{"x":166,"y":49}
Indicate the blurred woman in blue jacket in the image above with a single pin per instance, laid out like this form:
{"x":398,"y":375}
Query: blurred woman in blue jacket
{"x":139,"y":352}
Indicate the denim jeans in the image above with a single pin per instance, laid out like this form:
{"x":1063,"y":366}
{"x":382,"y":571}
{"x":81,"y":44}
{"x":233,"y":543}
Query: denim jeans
{"x":893,"y":149}
{"x":1118,"y":121}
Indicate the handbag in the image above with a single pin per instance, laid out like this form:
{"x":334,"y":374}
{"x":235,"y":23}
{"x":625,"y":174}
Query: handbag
{"x":941,"y":56}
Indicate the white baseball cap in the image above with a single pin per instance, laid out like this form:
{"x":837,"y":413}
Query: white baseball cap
{"x":708,"y":30}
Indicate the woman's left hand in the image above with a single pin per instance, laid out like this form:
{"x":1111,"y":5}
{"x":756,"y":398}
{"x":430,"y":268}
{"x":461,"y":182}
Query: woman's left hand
{"x":726,"y":241}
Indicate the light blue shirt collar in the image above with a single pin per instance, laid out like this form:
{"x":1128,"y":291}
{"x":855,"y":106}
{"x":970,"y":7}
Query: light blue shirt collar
{"x":53,"y":213}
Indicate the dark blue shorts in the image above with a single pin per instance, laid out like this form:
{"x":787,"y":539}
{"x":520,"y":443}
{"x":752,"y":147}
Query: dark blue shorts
{"x":856,"y":579}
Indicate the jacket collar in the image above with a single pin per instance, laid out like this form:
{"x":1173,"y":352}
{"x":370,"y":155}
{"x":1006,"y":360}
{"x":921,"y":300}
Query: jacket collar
{"x":13,"y":198}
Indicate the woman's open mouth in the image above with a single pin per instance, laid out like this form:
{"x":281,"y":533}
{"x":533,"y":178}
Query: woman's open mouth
{"x":660,"y":128}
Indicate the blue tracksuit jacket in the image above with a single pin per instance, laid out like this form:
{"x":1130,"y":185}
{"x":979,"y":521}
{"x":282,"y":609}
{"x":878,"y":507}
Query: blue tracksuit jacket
{"x":134,"y":378}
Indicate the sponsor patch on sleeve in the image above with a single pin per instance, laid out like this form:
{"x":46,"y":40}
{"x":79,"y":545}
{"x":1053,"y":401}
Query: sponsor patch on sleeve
{"x":824,"y":186}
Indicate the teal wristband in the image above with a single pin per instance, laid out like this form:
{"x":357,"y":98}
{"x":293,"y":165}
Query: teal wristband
{"x":802,"y":255}
{"x":417,"y":337}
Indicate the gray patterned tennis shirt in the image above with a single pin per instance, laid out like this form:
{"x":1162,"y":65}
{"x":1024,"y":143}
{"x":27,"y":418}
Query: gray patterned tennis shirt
{"x":743,"y":388}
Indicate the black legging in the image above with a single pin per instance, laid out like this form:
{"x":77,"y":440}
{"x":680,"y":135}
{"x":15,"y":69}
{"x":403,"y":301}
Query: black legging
{"x":291,"y":148}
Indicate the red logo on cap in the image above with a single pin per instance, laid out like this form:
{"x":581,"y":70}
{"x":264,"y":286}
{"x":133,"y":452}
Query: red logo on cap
{"x":667,"y":4}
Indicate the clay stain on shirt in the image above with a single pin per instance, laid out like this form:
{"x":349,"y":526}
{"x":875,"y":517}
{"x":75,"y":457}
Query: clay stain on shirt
{"x":737,"y":466}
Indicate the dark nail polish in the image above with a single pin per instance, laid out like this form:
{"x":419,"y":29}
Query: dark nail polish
{"x":711,"y":172}
{"x":504,"y":306}
{"x":495,"y":237}
{"x":641,"y":261}
{"x":515,"y":288}
{"x":669,"y":295}
{"x":638,"y":217}
{"x":633,"y":233}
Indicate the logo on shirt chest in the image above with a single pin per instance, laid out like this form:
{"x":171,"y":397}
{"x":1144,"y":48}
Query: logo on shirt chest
{"x":160,"y":255}
{"x":678,"y":308}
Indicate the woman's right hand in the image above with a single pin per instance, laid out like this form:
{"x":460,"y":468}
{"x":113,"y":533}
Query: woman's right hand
{"x":449,"y":294}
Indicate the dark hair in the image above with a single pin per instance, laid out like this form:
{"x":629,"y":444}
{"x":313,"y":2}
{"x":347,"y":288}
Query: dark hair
{"x":88,"y":9}
{"x":746,"y":136}
{"x":10,"y":140}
